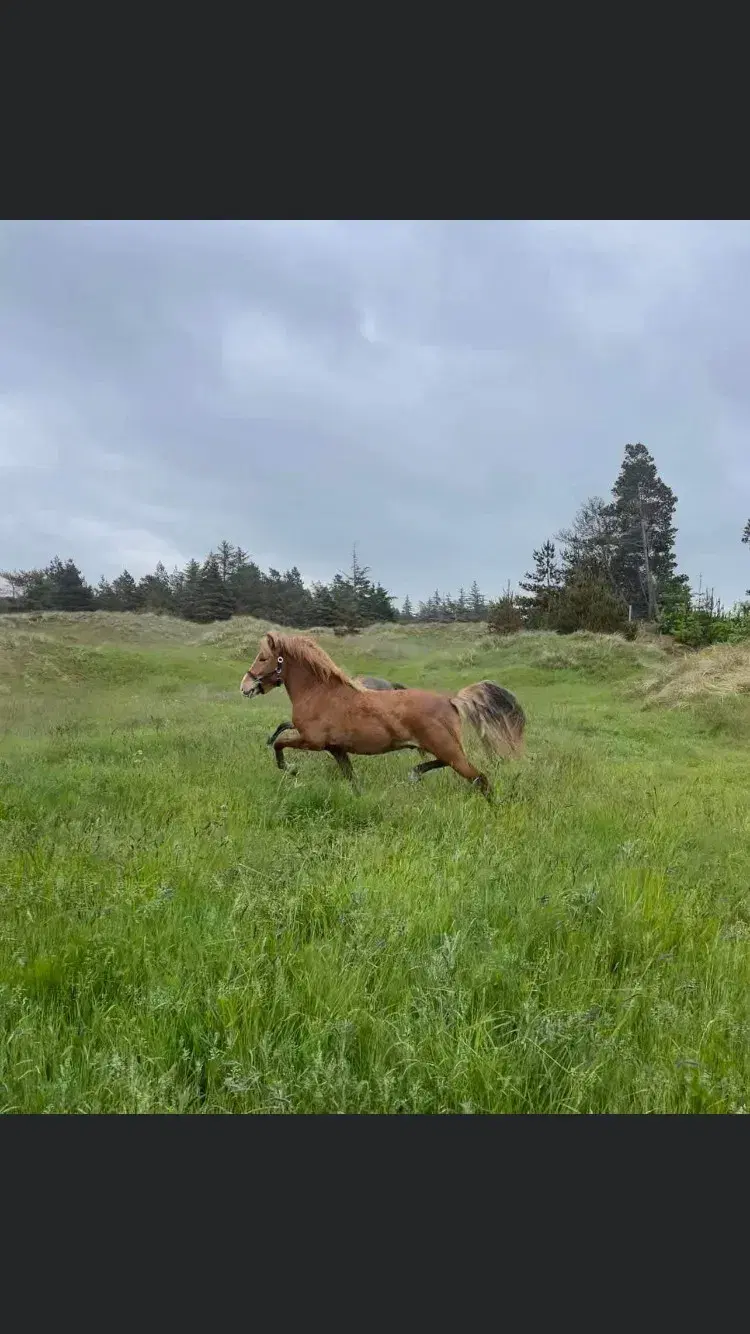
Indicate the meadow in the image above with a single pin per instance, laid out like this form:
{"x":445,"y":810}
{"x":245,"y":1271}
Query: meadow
{"x":184,"y":929}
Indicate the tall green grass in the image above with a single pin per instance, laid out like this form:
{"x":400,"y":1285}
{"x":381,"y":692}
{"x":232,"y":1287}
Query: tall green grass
{"x":184,"y":929}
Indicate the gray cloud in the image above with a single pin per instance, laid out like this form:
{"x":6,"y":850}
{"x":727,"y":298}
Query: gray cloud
{"x":445,"y":393}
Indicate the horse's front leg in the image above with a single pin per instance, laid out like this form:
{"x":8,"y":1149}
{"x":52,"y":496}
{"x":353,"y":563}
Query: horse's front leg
{"x":345,"y":765}
{"x":293,"y":740}
{"x":282,"y":727}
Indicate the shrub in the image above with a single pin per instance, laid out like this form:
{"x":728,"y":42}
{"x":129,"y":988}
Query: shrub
{"x":504,"y":616}
{"x":589,"y":604}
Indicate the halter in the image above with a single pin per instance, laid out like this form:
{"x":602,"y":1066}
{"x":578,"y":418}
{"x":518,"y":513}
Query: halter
{"x":273,"y":677}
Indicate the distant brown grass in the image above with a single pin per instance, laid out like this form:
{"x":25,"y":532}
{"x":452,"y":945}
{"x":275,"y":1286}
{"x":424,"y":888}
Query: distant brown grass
{"x":713,"y":673}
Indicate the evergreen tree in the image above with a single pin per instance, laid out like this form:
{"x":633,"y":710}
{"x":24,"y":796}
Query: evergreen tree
{"x":377,"y":605}
{"x":323,"y":610}
{"x":287,"y":599}
{"x":746,"y":538}
{"x":643,"y":509}
{"x":544,"y":583}
{"x":213,"y":601}
{"x":344,"y":603}
{"x":126,"y":593}
{"x":189,"y":591}
{"x":226,"y":558}
{"x":406,"y":612}
{"x":477,"y":604}
{"x":432,"y":609}
{"x":67,"y":587}
{"x":104,"y":596}
{"x":154,"y":591}
{"x":248,"y":586}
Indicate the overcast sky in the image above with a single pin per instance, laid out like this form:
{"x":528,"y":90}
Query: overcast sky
{"x":443,"y":393}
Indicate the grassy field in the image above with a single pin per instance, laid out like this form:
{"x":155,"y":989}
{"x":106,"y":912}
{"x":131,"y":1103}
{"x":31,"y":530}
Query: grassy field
{"x":183,"y":929}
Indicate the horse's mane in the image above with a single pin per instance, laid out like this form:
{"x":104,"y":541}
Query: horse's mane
{"x":301,"y":648}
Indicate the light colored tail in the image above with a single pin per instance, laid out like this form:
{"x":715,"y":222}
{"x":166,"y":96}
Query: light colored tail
{"x":495,"y":714}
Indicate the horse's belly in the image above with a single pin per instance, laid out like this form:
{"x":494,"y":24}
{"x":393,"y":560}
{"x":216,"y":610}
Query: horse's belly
{"x":372,"y":739}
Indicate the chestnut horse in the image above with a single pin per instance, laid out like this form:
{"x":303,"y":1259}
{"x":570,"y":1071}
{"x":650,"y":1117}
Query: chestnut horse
{"x":369,"y":682}
{"x":332,"y":712}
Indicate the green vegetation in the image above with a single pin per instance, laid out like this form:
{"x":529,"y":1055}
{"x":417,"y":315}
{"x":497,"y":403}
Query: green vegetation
{"x":184,"y":929}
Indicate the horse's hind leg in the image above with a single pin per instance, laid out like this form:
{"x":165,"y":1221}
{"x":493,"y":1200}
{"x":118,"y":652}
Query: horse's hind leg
{"x":282,"y":727}
{"x":448,"y":749}
{"x":419,"y":769}
{"x":344,"y":763}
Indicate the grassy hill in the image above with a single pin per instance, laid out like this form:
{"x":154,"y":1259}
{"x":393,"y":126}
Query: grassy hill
{"x":184,"y":929}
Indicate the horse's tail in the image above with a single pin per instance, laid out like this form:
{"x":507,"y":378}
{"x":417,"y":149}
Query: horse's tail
{"x":495,"y":714}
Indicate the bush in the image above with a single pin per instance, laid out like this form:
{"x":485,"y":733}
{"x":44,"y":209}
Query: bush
{"x":588,"y":604}
{"x":504,"y":616}
{"x":700,"y":627}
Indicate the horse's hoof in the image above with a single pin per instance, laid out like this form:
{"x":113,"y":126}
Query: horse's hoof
{"x":414,"y":777}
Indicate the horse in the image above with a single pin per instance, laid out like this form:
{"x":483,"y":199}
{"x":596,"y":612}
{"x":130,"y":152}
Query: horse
{"x":369,"y":682}
{"x":335,"y":713}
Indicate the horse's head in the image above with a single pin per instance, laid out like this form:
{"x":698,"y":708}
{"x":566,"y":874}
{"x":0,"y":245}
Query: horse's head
{"x":266,"y":672}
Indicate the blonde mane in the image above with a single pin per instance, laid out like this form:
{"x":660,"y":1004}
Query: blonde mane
{"x":303,"y":649}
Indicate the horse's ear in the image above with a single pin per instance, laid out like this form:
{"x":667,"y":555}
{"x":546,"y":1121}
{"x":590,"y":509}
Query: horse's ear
{"x":271,"y":641}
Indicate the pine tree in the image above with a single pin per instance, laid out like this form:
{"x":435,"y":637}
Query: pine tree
{"x":544,"y":583}
{"x":643,"y":509}
{"x":406,"y":612}
{"x":377,"y":605}
{"x":104,"y":596}
{"x":225,"y":557}
{"x":343,"y":602}
{"x":189,"y":586}
{"x":477,"y":604}
{"x":69,"y":590}
{"x":155,"y":592}
{"x":248,"y":586}
{"x":350,"y":592}
{"x":213,"y":601}
{"x":288,"y":600}
{"x":126,"y":593}
{"x":323,"y":610}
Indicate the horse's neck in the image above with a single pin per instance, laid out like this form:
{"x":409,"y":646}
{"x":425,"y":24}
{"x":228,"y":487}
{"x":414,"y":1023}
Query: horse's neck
{"x":299,"y":680}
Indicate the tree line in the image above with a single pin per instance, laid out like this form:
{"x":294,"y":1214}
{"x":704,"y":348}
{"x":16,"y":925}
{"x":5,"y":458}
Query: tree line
{"x":613,"y":566}
{"x":226,"y":583}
